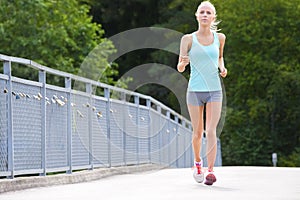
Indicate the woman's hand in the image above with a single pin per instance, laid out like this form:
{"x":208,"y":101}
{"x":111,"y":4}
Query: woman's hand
{"x":223,"y":72}
{"x":183,"y":61}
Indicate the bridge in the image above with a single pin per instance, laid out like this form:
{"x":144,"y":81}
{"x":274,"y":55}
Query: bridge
{"x":113,"y":143}
{"x":82,"y":124}
{"x":152,"y":182}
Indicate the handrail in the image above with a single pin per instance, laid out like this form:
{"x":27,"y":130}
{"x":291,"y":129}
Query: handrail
{"x":40,"y":67}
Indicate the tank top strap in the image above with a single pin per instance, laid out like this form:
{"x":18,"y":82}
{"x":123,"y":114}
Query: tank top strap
{"x":216,"y":38}
{"x":194,"y":37}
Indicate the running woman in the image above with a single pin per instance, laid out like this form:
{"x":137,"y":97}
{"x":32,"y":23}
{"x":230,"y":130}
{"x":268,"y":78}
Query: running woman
{"x":203,"y":50}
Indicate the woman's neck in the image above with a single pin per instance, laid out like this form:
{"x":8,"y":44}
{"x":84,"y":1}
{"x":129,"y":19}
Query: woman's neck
{"x":204,"y":30}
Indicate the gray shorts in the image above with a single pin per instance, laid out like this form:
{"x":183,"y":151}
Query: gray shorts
{"x":201,"y":98}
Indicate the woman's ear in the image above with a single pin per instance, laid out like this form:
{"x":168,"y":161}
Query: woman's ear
{"x":197,"y":16}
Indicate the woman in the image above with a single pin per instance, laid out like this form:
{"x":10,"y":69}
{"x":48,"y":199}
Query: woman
{"x":203,"y":50}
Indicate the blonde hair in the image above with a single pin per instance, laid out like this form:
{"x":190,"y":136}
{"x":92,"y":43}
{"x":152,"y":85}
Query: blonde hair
{"x":214,"y":25}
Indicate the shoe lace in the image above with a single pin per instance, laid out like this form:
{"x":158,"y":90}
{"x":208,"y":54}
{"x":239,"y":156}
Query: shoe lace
{"x":202,"y":169}
{"x":199,"y":169}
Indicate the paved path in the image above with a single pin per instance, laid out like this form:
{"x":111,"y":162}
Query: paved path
{"x":171,"y":184}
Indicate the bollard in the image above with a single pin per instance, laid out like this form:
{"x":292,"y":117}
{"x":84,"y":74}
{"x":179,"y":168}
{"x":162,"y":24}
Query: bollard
{"x":274,"y":159}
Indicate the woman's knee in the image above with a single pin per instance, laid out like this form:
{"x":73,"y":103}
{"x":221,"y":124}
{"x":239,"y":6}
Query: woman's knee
{"x":211,"y":132}
{"x":197,"y":134}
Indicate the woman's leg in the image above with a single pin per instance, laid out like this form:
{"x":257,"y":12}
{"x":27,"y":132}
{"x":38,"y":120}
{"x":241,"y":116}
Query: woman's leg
{"x":213,"y":113}
{"x":196,"y":115}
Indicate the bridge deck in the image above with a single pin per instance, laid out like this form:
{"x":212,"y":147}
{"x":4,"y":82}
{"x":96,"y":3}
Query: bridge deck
{"x":233,"y":183}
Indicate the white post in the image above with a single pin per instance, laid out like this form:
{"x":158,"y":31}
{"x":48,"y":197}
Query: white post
{"x":274,"y":159}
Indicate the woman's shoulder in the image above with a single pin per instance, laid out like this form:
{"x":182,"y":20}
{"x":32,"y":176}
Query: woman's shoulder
{"x":187,"y":39}
{"x":188,"y":36}
{"x":221,"y":36}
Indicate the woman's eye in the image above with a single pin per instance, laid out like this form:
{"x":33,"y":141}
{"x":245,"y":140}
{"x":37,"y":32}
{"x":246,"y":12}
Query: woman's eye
{"x":207,"y":12}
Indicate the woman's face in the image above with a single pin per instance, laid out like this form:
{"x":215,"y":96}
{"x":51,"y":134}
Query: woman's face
{"x":205,"y":15}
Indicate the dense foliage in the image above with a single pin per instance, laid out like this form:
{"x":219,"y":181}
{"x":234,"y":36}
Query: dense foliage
{"x":58,"y":34}
{"x":263,"y":88}
{"x":261,"y":54}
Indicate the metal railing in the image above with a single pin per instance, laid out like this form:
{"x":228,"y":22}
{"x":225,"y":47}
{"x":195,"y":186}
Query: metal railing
{"x":46,"y":128}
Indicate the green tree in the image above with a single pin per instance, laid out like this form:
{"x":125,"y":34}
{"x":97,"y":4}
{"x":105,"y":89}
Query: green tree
{"x":58,"y":34}
{"x":117,"y":16}
{"x":262,"y":56}
{"x":263,"y":84}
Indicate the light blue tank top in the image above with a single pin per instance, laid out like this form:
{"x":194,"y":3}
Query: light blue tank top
{"x":204,"y":76}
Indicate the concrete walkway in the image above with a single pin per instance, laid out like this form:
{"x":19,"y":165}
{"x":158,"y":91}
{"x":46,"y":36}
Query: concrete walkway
{"x":171,"y":184}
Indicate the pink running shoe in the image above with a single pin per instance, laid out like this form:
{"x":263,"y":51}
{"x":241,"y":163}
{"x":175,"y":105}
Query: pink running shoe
{"x":210,"y":178}
{"x":198,"y":174}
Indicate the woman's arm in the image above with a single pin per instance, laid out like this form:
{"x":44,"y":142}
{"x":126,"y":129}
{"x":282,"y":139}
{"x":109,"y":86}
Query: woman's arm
{"x":185,"y":46}
{"x":223,"y":70}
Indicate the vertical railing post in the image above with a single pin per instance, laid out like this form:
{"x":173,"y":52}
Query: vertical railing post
{"x":137,"y":104}
{"x":68,"y":86}
{"x":169,"y":136}
{"x":177,"y":138}
{"x":184,"y":136}
{"x":42,"y":79}
{"x":148,"y":104}
{"x":160,"y":150}
{"x":124,"y":114}
{"x":90,"y":125}
{"x":10,"y":137}
{"x":191,"y":161}
{"x":107,"y":96}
